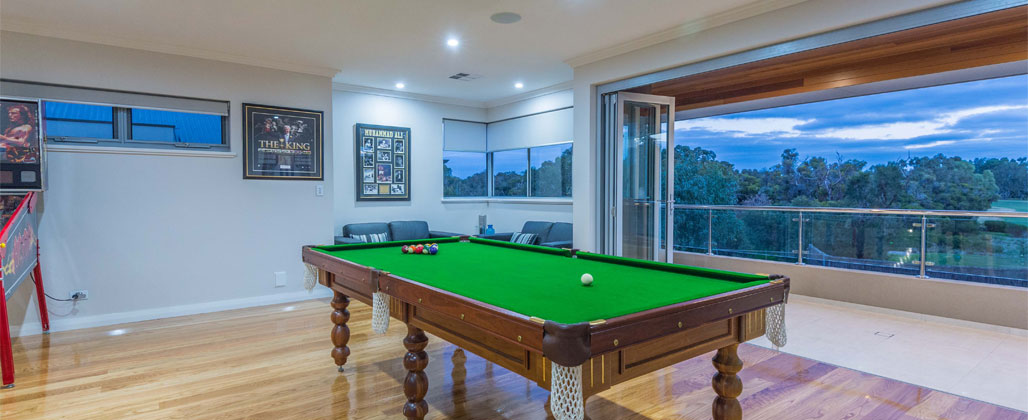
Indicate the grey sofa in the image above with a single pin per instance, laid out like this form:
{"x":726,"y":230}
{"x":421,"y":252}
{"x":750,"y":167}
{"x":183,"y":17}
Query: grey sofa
{"x":556,"y":235}
{"x":395,"y":231}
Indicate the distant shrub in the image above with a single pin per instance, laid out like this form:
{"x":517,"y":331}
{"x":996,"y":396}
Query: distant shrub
{"x":996,"y":226}
{"x":1015,"y":229}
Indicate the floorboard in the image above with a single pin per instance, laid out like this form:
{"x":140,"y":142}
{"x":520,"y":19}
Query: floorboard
{"x":273,"y":362}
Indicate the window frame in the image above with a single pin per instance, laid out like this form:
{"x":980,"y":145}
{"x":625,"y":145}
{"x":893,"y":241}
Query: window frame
{"x":571,"y":144}
{"x":489,"y":178}
{"x":490,"y":184}
{"x":122,"y":130}
{"x":528,"y":174}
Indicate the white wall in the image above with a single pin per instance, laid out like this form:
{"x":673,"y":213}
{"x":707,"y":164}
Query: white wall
{"x":542,"y":103}
{"x":793,"y":22}
{"x":425,"y":119}
{"x":152,"y":236}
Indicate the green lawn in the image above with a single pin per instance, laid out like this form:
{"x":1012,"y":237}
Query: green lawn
{"x":966,"y":260}
{"x":1012,"y":205}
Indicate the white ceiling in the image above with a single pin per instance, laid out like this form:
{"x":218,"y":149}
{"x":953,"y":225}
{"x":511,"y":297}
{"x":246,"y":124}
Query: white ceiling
{"x":378,"y":43}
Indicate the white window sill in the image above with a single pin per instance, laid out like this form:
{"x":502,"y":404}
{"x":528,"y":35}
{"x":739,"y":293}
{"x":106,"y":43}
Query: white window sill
{"x":71,"y":148}
{"x":510,"y":200}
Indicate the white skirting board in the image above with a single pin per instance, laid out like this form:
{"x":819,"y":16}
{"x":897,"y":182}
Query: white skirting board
{"x":58,"y":324}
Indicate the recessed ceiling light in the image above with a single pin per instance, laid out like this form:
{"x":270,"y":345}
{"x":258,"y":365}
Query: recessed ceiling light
{"x":400,"y":85}
{"x":519,"y":85}
{"x":505,"y":17}
{"x":453,"y":42}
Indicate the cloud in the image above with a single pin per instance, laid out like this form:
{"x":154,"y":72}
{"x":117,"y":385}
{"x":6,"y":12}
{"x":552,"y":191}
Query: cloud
{"x":943,"y":124}
{"x":952,"y":118}
{"x":929,"y":145}
{"x":745,"y":127}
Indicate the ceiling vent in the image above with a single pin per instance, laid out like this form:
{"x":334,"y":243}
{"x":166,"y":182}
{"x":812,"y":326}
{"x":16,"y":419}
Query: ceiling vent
{"x":466,"y":77}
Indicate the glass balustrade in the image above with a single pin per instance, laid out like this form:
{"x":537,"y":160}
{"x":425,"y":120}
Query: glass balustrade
{"x":983,"y":247}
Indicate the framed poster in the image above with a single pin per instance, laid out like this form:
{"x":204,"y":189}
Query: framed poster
{"x":382,"y":159}
{"x":22,"y":149}
{"x":282,"y":143}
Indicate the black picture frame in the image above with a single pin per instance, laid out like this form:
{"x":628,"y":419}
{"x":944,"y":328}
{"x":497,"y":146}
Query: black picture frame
{"x":380,"y":156}
{"x":283,"y":143}
{"x":23,"y":151}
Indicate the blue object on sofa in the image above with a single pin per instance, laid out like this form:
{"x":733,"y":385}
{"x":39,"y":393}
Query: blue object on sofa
{"x":395,"y":231}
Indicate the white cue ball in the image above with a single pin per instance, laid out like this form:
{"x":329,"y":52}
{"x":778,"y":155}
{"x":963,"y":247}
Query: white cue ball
{"x":587,"y":279}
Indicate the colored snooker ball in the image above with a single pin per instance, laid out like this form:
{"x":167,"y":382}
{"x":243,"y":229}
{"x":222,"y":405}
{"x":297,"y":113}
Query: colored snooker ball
{"x":587,"y":279}
{"x":433,"y":249}
{"x":405,"y":249}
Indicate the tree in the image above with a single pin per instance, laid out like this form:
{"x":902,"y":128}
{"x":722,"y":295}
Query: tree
{"x":472,"y":186}
{"x":949,"y":183}
{"x":553,"y":177}
{"x":701,"y":179}
{"x":1011,"y":175}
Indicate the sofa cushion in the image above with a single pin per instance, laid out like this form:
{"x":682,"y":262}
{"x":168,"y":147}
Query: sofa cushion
{"x":540,"y":229}
{"x":559,"y":232}
{"x":372,"y":237}
{"x":408,"y":230}
{"x":364,"y":229}
{"x":523,"y":238}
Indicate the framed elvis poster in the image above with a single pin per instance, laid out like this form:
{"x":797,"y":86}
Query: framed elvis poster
{"x":382,"y":159}
{"x":282,"y":143}
{"x":22,"y":150}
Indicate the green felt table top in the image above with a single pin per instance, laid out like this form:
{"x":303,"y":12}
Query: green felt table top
{"x":546,"y":282}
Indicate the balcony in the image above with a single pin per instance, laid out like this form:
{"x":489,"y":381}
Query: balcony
{"x":970,"y":246}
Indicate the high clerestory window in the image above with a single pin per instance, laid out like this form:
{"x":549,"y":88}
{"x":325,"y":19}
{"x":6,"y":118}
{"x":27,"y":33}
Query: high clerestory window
{"x":85,"y":116}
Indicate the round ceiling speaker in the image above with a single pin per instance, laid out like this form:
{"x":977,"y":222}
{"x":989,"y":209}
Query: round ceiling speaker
{"x":505,"y":17}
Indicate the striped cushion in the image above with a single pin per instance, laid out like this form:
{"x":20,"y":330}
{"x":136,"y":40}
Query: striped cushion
{"x":523,"y":238}
{"x":372,"y":237}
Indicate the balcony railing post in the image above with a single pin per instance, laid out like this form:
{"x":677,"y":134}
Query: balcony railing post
{"x":710,"y":232}
{"x":800,"y":253}
{"x":924,"y":244}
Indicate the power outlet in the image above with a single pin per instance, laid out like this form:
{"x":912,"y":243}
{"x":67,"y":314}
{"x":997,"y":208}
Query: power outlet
{"x":78,"y":295}
{"x":280,"y":279}
{"x":319,"y":190}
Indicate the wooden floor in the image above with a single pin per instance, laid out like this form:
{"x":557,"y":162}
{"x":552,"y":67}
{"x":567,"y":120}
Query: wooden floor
{"x":273,"y":362}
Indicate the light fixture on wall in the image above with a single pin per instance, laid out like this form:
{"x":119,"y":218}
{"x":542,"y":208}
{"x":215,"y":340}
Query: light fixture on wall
{"x":519,"y":85}
{"x":400,"y":85}
{"x":453,"y":42}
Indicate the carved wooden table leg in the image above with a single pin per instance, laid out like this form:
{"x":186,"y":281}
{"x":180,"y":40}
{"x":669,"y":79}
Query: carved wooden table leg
{"x":340,"y":333}
{"x":726,"y":384}
{"x":416,"y":385}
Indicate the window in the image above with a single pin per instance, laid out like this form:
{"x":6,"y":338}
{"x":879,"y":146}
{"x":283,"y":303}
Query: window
{"x":464,"y":174}
{"x":543,"y":171}
{"x":551,"y":170}
{"x":176,"y":127}
{"x":81,"y":123}
{"x":510,"y":173}
{"x":79,"y":120}
{"x":960,"y":147}
{"x":113,"y":118}
{"x":527,"y":156}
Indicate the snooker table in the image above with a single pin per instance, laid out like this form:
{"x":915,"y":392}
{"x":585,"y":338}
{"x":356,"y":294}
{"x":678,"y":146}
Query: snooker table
{"x":524,"y":307}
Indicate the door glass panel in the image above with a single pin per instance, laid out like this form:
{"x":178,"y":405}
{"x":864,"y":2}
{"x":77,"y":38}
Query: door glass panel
{"x":644,"y":180}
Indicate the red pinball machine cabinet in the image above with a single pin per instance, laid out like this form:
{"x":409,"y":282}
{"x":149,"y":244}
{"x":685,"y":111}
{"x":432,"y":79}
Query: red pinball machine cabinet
{"x":19,"y":260}
{"x":22,"y":181}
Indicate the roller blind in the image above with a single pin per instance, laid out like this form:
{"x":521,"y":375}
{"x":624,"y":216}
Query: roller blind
{"x":531,"y":131}
{"x":464,"y":136}
{"x":111,"y":97}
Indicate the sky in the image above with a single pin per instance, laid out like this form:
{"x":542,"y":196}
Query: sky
{"x":986,"y":118}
